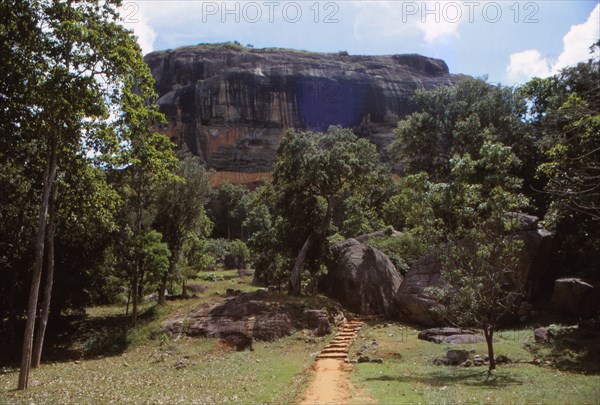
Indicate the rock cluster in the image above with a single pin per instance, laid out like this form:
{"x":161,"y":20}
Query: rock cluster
{"x":364,"y":280}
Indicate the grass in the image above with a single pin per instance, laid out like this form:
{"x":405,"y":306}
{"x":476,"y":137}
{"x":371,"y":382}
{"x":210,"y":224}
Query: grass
{"x":408,"y":375}
{"x":96,"y":361}
{"x":165,"y":371}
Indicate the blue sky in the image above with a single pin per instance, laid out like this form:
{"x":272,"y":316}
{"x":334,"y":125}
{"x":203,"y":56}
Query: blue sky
{"x":509,"y":41}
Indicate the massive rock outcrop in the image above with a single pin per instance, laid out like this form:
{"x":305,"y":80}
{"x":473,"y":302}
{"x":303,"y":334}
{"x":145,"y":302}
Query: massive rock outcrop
{"x":232,"y":104}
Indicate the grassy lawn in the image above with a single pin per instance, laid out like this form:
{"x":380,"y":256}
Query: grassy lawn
{"x":186,"y":371}
{"x":408,"y":375}
{"x":100,"y":363}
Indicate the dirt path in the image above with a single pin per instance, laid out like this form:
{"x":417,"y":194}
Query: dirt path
{"x":330,"y":383}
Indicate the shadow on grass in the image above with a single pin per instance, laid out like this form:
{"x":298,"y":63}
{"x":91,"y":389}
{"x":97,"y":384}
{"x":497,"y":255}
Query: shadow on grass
{"x":76,"y":337}
{"x":573,"y":350}
{"x":454,"y":376}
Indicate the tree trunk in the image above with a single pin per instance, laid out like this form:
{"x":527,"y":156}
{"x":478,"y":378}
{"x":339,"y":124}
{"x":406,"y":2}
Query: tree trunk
{"x":488,"y":332}
{"x":134,"y":299}
{"x":43,"y":321}
{"x":127,"y":307}
{"x":163,"y":281}
{"x":49,"y":176}
{"x":295,"y":280}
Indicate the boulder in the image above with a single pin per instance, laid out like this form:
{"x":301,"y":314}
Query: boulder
{"x":318,"y":320}
{"x":414,"y":304}
{"x":456,"y":357}
{"x":525,"y":222}
{"x":362,"y":279}
{"x":576,"y":296}
{"x":195,"y":288}
{"x":541,"y":335}
{"x":246,"y":273}
{"x":450,"y":336}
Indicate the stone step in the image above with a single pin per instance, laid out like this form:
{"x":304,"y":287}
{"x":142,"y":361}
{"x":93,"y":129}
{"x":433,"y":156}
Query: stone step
{"x":336,"y":344}
{"x":338,"y":348}
{"x":335,"y":356}
{"x":331,"y":351}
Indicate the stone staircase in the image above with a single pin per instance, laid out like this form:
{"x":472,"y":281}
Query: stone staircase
{"x":338,"y":348}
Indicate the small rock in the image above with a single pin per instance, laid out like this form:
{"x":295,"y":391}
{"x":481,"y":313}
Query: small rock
{"x":502,"y":359}
{"x":179,"y":364}
{"x":79,"y":362}
{"x":541,"y":335}
{"x":456,"y":357}
{"x":377,"y":360}
{"x":466,"y":363}
{"x":258,"y":360}
{"x":441,"y":361}
{"x":125,"y":364}
{"x":477,"y":361}
{"x":364,"y":359}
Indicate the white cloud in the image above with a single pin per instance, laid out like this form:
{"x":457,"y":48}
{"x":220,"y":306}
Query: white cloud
{"x":577,"y":42}
{"x":437,"y":22}
{"x":527,"y":64}
{"x":576,"y":48}
{"x":136,"y":20}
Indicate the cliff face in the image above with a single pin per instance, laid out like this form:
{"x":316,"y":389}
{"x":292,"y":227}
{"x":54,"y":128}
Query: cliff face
{"x":231,"y":105}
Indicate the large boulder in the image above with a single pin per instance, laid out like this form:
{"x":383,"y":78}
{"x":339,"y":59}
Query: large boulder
{"x":362,"y":279}
{"x":576,"y":296}
{"x":318,"y":320}
{"x":414,"y":304}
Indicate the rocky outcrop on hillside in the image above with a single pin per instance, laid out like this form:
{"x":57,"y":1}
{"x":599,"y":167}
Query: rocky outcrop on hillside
{"x":232,"y":104}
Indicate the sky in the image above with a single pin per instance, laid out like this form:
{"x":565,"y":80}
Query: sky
{"x":507,"y":41}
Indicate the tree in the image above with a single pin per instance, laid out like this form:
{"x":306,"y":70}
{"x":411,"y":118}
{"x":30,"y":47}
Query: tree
{"x":228,"y":209}
{"x":476,"y":241}
{"x":180,"y":211}
{"x":74,"y":64}
{"x":458,"y":120}
{"x":316,"y":172}
{"x":565,"y":114}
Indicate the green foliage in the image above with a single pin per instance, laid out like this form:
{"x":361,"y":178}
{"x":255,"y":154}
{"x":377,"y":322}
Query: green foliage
{"x":459,"y":120}
{"x":403,"y":250}
{"x":321,"y":182}
{"x":565,"y":112}
{"x":474,"y":238}
{"x":239,"y":249}
{"x":228,"y":209}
